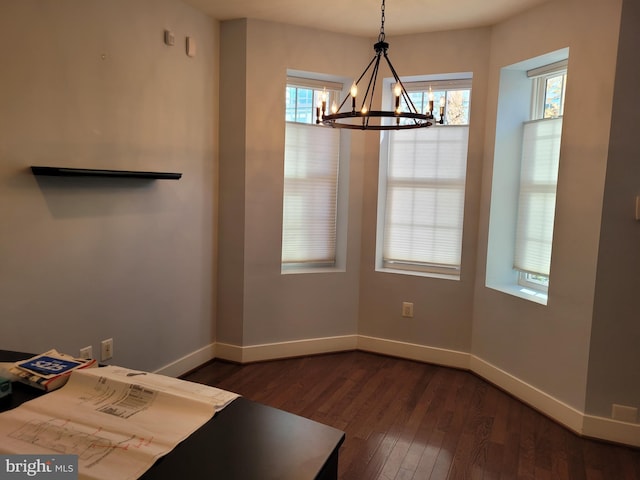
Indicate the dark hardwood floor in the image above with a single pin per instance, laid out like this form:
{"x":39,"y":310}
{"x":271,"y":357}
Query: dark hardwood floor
{"x":409,"y":420}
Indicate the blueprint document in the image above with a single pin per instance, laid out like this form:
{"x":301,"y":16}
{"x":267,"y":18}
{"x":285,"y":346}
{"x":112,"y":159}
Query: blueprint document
{"x":118,"y":421}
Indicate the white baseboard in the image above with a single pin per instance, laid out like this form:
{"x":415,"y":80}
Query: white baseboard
{"x":611,"y":430}
{"x":585,"y":425}
{"x":536,"y":398}
{"x":189,"y":361}
{"x":412,"y":351}
{"x":575,"y":420}
{"x":295,"y":348}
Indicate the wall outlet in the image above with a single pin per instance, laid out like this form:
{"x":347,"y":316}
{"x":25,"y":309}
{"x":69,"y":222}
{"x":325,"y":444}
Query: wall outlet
{"x":86,"y":352}
{"x":106,"y":347}
{"x":407,"y":309}
{"x":623,"y":413}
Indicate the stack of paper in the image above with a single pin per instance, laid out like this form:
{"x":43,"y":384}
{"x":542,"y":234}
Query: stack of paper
{"x":50,"y":370}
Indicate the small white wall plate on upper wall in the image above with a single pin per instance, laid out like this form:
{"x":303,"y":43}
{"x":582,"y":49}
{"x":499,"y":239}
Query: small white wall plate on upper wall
{"x":191,"y":47}
{"x":169,"y":38}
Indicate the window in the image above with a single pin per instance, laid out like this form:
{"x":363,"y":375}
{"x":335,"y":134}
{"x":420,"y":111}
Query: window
{"x":453,"y":96}
{"x":303,"y":95}
{"x":311,"y":166}
{"x":525,"y":175}
{"x":539,"y":177}
{"x":422,"y":188}
{"x":537,"y":200}
{"x":549,"y":86}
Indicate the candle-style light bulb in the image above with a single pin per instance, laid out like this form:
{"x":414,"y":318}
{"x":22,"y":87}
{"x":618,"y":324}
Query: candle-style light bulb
{"x":397,"y":89}
{"x":364,"y":110}
{"x":334,"y":107}
{"x":354,"y":92}
{"x":323,"y":98}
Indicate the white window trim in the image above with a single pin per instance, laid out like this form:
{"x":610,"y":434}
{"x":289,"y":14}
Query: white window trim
{"x":314,"y":84}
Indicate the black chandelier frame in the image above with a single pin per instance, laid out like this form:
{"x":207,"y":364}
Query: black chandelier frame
{"x":363,"y":115}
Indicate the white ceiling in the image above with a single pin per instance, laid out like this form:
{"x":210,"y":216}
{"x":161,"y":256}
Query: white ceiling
{"x":362,"y":17}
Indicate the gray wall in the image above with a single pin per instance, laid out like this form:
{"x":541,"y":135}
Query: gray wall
{"x":614,"y":360}
{"x":264,"y":306}
{"x":231,"y":234}
{"x":90,"y":84}
{"x":547,"y":347}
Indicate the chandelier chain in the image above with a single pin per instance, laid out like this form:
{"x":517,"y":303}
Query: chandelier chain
{"x":403,"y":116}
{"x":381,"y":35}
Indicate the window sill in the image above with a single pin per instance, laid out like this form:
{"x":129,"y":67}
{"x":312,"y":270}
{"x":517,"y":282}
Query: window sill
{"x":309,"y":270}
{"x":522,"y":292}
{"x":417,"y":273}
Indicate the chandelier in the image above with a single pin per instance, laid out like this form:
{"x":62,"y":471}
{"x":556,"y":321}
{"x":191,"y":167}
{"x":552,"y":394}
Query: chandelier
{"x":360,"y":114}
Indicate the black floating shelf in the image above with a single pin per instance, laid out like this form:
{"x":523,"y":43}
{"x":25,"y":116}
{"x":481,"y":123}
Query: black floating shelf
{"x":93,"y":172}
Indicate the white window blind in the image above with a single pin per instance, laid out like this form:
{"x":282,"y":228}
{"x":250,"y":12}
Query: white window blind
{"x":536,"y":204}
{"x":310,"y":195}
{"x":425,"y":198}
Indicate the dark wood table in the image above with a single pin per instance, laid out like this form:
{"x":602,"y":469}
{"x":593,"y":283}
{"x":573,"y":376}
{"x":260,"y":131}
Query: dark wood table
{"x":244,"y":441}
